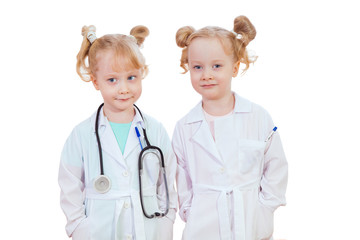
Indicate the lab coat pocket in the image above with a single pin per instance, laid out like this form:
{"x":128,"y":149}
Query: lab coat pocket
{"x":87,"y":207}
{"x":82,"y":231}
{"x":265,"y":222}
{"x":202,"y":218}
{"x":251,"y":156}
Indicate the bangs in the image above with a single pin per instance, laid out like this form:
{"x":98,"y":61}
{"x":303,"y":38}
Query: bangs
{"x":126,"y":54}
{"x":127,"y":58}
{"x":218,"y":33}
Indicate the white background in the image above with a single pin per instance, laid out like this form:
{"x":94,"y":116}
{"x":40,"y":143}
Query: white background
{"x":306,"y":77}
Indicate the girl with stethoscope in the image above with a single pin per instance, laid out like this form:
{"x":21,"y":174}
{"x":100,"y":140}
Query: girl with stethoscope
{"x":232,"y":171}
{"x":117,"y":168}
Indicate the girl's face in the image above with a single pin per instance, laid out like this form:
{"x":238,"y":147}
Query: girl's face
{"x":120,"y":88}
{"x":211,"y":69}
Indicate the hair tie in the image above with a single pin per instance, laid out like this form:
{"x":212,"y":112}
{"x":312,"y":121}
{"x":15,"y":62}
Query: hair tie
{"x":91,"y":36}
{"x":133,"y":38}
{"x":135,"y":41}
{"x":237,"y":35}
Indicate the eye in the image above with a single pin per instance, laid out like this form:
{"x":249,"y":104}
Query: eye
{"x":217,"y":66}
{"x":132,"y":77}
{"x":197,"y":67}
{"x":112,"y":80}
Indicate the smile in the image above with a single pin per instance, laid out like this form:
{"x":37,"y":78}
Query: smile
{"x":123,"y":99}
{"x":208,"y":85}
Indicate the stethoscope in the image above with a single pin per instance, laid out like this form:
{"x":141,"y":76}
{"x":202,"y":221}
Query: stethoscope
{"x":102,"y":183}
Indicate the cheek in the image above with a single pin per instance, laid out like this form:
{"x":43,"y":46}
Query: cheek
{"x":194,"y":82}
{"x":194,"y":76}
{"x":137,"y":88}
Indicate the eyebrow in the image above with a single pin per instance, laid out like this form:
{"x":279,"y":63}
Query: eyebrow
{"x":212,"y":61}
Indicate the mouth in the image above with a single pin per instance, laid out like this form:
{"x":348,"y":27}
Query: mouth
{"x":208,"y":85}
{"x":123,"y":99}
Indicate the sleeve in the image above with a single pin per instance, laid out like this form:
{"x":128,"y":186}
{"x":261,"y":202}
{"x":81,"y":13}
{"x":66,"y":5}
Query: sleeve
{"x":71,"y":182}
{"x":275,"y":174}
{"x":170,"y":169}
{"x":273,"y":183}
{"x":183,"y":180}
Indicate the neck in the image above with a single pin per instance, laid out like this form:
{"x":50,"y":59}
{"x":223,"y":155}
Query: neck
{"x":119,"y":116}
{"x":219,"y":107}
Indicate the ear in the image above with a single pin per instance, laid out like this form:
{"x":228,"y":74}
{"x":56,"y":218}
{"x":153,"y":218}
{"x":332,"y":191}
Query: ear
{"x":236,"y":68}
{"x":94,"y":81}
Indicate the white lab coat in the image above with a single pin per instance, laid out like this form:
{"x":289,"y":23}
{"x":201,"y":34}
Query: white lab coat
{"x":230,"y":187}
{"x":116,"y":214}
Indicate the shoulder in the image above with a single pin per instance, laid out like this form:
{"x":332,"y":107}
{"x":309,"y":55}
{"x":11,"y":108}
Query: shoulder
{"x":151,"y":122}
{"x":84,"y":128}
{"x":255,"y":115}
{"x":154,"y":126}
{"x":244,"y":105}
{"x":194,"y":115}
{"x":156,"y":131}
{"x":77,"y":139}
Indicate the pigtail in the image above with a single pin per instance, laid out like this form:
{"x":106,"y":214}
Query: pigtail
{"x":182,"y":36}
{"x":182,"y":40}
{"x":244,"y":27}
{"x":246,"y":32}
{"x":140,"y":33}
{"x":81,"y":68}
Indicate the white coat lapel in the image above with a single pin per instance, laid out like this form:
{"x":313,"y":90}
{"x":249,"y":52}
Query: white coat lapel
{"x":110,"y":145}
{"x":201,"y":132}
{"x":132,"y":140}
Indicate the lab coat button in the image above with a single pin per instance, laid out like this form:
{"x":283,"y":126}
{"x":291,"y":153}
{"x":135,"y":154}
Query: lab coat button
{"x":126,"y":205}
{"x":128,"y":237}
{"x":222,"y":170}
{"x":125,"y":173}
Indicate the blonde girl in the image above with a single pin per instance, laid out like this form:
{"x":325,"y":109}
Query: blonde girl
{"x":232,"y":171}
{"x":102,"y":201}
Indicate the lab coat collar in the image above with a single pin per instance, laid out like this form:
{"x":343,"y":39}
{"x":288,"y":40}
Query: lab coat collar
{"x":242,"y":105}
{"x":103,"y":122}
{"x":202,"y":134}
{"x":108,"y":140}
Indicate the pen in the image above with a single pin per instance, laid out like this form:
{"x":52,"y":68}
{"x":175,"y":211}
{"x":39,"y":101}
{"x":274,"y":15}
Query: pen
{"x":271,"y":134}
{"x":138,"y":135}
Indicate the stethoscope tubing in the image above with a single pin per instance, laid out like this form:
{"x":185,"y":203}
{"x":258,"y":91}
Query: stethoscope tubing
{"x":98,"y":139}
{"x":141,"y":156}
{"x":161,"y":159}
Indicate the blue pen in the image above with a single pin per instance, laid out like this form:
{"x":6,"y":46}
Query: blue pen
{"x":138,"y":135}
{"x":271,"y":134}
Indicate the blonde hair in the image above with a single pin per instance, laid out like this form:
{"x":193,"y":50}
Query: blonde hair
{"x":124,"y":46}
{"x":242,"y":27}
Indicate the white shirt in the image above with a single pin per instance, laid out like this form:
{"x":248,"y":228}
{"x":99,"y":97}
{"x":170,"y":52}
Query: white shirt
{"x":210,"y":119}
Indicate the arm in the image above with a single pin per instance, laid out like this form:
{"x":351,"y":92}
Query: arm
{"x":71,"y":181}
{"x":272,"y":186}
{"x":183,"y":180}
{"x":274,"y":180}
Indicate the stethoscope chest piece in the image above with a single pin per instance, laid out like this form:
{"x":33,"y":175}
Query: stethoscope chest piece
{"x":102,"y":184}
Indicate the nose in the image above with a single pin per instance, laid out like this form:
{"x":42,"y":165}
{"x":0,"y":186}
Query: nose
{"x":123,"y":87}
{"x":207,"y":75}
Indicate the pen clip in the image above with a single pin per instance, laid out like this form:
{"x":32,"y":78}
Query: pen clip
{"x":271,"y":134}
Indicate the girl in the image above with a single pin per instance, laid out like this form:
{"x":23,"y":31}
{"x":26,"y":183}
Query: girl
{"x":98,"y":176}
{"x":230,"y":179}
